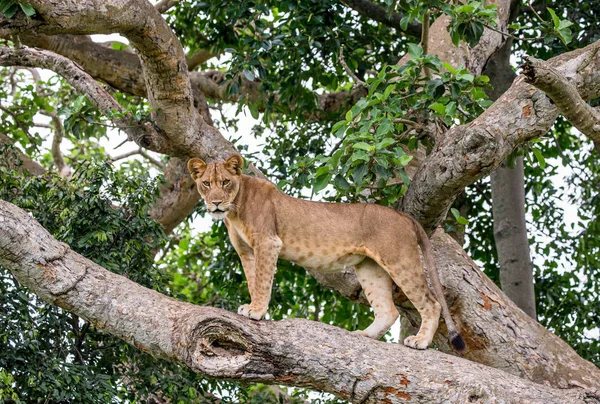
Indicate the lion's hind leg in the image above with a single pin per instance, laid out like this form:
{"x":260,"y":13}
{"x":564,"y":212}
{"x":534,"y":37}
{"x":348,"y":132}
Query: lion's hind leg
{"x":408,"y":274}
{"x":377,"y":285}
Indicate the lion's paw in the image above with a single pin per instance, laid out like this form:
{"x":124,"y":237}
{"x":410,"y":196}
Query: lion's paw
{"x":364,"y":333}
{"x":247,"y":310}
{"x":416,"y":342}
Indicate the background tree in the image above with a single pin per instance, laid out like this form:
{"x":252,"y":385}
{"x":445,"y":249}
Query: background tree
{"x":350,"y":109}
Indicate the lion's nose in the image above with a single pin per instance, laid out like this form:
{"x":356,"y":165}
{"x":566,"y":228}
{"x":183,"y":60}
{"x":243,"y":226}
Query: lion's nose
{"x":217,"y":203}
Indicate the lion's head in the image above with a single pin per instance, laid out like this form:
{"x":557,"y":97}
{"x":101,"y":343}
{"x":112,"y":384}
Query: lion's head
{"x":218,"y":183}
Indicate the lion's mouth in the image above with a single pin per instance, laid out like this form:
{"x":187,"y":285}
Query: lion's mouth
{"x":218,"y":213}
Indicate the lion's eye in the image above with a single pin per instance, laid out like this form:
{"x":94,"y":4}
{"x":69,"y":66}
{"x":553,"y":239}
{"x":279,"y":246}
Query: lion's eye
{"x":206,"y":183}
{"x":225,"y":182}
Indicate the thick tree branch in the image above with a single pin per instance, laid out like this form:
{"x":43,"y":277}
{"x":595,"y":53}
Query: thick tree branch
{"x":521,"y":114}
{"x":565,"y":95}
{"x":220,"y":344}
{"x":121,"y":70}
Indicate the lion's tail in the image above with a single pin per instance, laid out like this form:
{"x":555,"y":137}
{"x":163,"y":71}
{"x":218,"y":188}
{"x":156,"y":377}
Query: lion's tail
{"x":456,"y":340}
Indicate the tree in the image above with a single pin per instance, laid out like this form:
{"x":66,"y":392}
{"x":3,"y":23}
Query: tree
{"x":412,"y":132}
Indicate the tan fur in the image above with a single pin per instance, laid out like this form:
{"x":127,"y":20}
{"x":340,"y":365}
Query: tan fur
{"x":382,"y":244}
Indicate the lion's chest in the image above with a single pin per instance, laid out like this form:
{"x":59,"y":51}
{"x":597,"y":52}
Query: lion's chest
{"x":322,"y":256}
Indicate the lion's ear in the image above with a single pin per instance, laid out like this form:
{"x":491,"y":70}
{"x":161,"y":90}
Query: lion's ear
{"x":196,"y":167}
{"x":234,"y":164}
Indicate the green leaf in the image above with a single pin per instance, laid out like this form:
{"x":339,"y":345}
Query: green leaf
{"x":5,"y":4}
{"x":335,"y":158}
{"x":362,"y":146}
{"x":404,"y":21}
{"x":321,"y":171}
{"x":465,"y":76}
{"x":341,"y":183}
{"x":337,"y":126}
{"x":27,"y":9}
{"x":249,"y":75}
{"x":388,"y":141}
{"x":388,"y":90}
{"x":415,"y":51}
{"x":451,"y":108}
{"x":464,"y":9}
{"x":253,"y":111}
{"x":555,"y":18}
{"x":11,"y":11}
{"x":359,"y":173}
{"x":384,"y":127}
{"x":462,"y":220}
{"x":565,"y":35}
{"x":321,"y":183}
{"x":455,"y":213}
{"x":435,"y":88}
{"x":75,"y":130}
{"x":374,"y":85}
{"x":404,"y":160}
{"x":449,"y":68}
{"x":349,"y":116}
{"x":439,"y":108}
{"x":540,"y":157}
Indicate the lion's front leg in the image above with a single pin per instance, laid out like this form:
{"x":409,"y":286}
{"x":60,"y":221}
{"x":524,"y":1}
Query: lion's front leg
{"x":266,"y":252}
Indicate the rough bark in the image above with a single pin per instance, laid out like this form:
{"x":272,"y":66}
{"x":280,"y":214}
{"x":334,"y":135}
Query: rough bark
{"x":522,"y":113}
{"x":508,"y":204}
{"x":224,"y":345}
{"x":565,"y":95}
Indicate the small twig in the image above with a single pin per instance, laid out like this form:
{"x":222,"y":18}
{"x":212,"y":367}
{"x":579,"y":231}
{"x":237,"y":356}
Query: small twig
{"x":122,"y":143}
{"x":535,"y":12}
{"x":42,"y":125}
{"x":152,"y":160}
{"x":59,"y":133}
{"x":13,"y":83}
{"x":506,"y":34}
{"x":142,"y":153}
{"x":125,"y":155}
{"x":338,"y":144}
{"x":406,"y":122}
{"x":347,"y":69}
{"x":425,"y":40}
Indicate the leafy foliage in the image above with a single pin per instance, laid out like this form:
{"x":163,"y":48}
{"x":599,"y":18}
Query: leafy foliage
{"x":375,"y":134}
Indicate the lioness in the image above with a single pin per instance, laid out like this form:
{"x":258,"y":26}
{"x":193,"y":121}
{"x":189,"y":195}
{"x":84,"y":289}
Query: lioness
{"x":382,"y":245}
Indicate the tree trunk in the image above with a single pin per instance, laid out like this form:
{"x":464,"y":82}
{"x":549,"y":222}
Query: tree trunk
{"x":508,"y":204}
{"x":510,"y":235}
{"x":224,"y":345}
